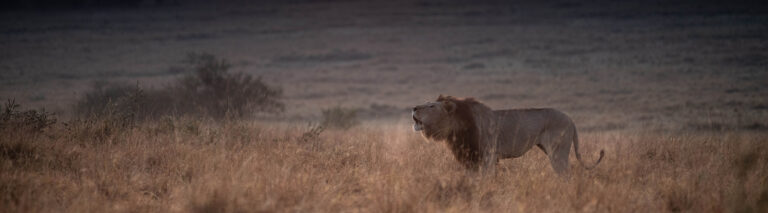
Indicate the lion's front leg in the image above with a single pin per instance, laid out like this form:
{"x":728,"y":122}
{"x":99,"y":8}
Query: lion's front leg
{"x":488,"y":147}
{"x":489,"y":161}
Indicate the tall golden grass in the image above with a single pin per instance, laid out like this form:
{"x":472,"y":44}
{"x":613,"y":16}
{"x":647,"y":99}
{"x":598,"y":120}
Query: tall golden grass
{"x":188,"y":165}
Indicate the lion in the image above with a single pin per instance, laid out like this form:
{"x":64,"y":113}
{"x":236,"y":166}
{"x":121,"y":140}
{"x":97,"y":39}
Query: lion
{"x":479,"y":136}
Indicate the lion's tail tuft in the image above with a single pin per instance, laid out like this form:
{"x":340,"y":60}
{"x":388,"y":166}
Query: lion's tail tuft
{"x":578,"y":156}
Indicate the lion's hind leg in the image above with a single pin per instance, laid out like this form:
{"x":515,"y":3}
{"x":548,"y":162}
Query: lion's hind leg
{"x":557,"y":149}
{"x":559,"y":158}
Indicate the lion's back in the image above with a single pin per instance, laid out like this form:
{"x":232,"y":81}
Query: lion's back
{"x":532,"y":118}
{"x":520,"y":129}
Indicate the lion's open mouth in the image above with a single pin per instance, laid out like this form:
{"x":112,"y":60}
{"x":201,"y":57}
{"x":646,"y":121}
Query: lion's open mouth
{"x":417,"y":125}
{"x":416,"y":120}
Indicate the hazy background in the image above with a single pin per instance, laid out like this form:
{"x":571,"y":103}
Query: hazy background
{"x":674,"y":92}
{"x":627,"y":64}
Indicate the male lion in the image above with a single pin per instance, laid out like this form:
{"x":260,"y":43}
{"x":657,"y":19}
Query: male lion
{"x":479,"y":136}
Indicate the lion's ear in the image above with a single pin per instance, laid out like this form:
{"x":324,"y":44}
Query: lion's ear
{"x":449,"y":106}
{"x":441,"y":97}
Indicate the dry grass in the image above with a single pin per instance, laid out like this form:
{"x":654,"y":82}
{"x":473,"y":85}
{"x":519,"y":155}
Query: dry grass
{"x":186,"y":165}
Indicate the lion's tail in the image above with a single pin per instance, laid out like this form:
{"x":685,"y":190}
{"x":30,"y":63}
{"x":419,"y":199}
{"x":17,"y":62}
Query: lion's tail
{"x":578,"y":156}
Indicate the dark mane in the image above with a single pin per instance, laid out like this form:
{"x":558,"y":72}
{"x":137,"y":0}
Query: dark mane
{"x":463,"y":140}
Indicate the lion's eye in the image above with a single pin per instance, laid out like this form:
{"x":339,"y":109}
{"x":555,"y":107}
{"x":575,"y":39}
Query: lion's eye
{"x":432,"y":106}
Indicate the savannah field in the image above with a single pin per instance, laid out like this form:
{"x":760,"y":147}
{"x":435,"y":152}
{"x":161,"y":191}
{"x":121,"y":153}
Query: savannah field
{"x":675,"y":92}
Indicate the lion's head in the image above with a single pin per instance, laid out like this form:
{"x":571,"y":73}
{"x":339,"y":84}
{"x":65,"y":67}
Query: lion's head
{"x":452,"y":120}
{"x":435,"y":119}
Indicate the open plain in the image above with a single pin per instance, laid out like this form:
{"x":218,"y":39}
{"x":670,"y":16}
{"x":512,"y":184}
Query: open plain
{"x":675,"y":92}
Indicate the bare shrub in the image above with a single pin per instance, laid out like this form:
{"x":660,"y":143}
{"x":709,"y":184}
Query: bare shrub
{"x":108,"y":110}
{"x":216,"y":92}
{"x":12,"y":119}
{"x":209,"y":90}
{"x":340,"y":118}
{"x":112,"y":99}
{"x":312,"y":133}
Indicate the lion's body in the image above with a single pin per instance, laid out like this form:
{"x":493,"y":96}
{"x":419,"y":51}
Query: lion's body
{"x":479,"y":136}
{"x":549,"y":129}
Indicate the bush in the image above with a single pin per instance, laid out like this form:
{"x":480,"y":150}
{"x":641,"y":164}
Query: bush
{"x":106,"y":96}
{"x":340,"y":118}
{"x":208,"y":90}
{"x":218,"y":93}
{"x":13,"y":120}
{"x":108,"y":110}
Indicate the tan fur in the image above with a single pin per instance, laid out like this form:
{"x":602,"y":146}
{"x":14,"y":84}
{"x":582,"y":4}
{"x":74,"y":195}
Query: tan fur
{"x":478,"y":136}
